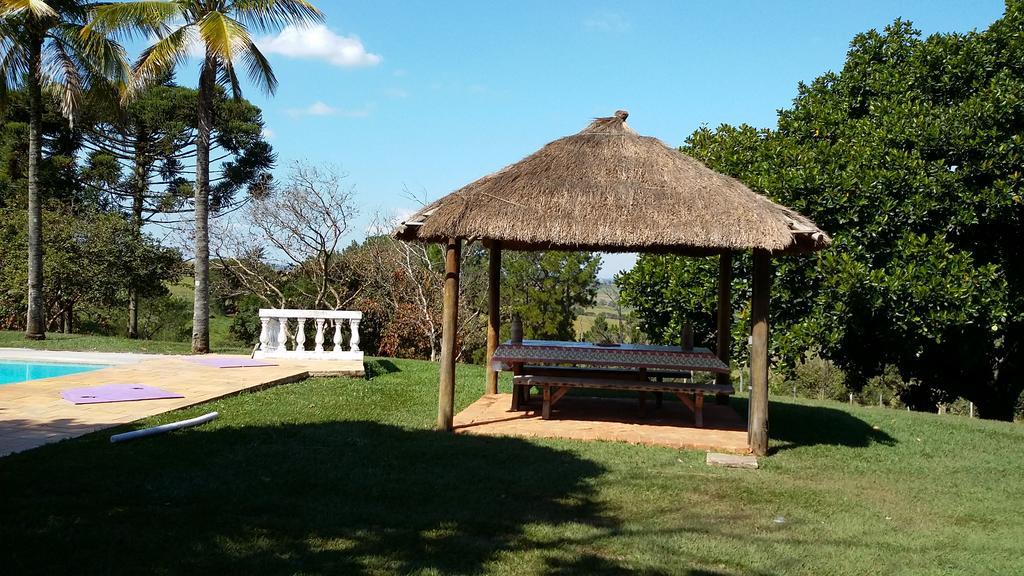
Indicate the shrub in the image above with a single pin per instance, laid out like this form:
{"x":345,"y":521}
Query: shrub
{"x":817,"y":377}
{"x":245,"y":326}
{"x":960,"y":407}
{"x":889,"y":386}
{"x":163,"y":318}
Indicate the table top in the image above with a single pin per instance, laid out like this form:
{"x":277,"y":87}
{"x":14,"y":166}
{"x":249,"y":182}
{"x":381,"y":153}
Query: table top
{"x":622,"y":355}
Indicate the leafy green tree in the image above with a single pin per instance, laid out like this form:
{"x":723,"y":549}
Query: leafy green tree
{"x":222,"y":28}
{"x":548,"y":289}
{"x":45,"y":46}
{"x":911,"y":157}
{"x":670,"y":291}
{"x":139,"y":153}
{"x":91,"y":259}
{"x":58,"y":174}
{"x":600,"y":331}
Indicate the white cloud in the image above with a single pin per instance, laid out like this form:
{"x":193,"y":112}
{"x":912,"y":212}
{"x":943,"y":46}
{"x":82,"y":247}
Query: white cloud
{"x":396,"y":93}
{"x":319,"y":43}
{"x":269,"y":134}
{"x":319,"y":108}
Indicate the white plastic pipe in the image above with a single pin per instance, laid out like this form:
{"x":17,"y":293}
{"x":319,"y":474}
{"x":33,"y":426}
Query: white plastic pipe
{"x":164,"y":428}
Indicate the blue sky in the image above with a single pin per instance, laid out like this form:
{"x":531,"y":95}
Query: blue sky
{"x":428,"y":96}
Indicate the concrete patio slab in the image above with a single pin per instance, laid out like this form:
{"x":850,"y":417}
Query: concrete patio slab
{"x":579,"y":418}
{"x":33,"y":413}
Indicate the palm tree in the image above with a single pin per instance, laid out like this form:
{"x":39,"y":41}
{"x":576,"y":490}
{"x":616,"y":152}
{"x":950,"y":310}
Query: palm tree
{"x":221,"y":28}
{"x":45,"y":46}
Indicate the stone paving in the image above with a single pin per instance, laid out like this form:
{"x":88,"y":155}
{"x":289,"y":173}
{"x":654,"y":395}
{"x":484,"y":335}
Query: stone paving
{"x":33,"y":413}
{"x":578,"y":418}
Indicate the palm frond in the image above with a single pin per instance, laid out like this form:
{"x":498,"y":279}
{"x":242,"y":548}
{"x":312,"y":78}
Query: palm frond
{"x":222,"y":35}
{"x":228,"y":77}
{"x":104,"y":57}
{"x":131,"y":19}
{"x":63,"y":77}
{"x":37,"y":8}
{"x":160,"y":58}
{"x":271,"y":15}
{"x":13,"y":67}
{"x":13,"y":53}
{"x":259,"y":69}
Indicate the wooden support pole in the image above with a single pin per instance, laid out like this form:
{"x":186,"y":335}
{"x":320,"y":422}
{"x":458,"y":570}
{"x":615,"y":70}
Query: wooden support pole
{"x":493,"y":313}
{"x":449,"y":326}
{"x":757,"y":425}
{"x":724,"y":321}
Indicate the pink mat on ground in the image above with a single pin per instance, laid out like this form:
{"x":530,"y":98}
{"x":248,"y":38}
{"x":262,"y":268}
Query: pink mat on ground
{"x":230,"y":362}
{"x":115,"y":393}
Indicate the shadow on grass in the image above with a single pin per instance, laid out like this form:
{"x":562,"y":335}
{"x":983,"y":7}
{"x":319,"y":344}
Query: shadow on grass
{"x":378,"y":366}
{"x":338,"y":497}
{"x":798,"y":425}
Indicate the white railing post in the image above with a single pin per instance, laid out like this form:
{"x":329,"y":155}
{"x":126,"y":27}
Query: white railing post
{"x":282,"y":335}
{"x":300,"y":336}
{"x":353,"y":342}
{"x":264,"y":333}
{"x":319,"y":335}
{"x":274,"y":334}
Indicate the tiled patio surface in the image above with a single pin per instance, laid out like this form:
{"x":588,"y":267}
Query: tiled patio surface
{"x":33,"y":413}
{"x":618,"y":420}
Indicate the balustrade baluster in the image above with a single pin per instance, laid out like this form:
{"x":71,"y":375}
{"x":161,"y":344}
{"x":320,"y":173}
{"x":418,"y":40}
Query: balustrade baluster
{"x":300,"y":336}
{"x":282,"y":335}
{"x":354,"y":340}
{"x":319,"y":335}
{"x":265,"y":334}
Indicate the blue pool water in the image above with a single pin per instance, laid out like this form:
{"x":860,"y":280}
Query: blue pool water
{"x":11,"y":372}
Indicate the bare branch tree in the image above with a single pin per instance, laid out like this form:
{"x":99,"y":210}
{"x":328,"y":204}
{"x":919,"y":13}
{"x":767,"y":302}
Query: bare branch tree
{"x":292,"y":232}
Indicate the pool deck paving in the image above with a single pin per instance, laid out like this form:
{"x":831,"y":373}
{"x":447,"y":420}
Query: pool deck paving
{"x":33,"y":413}
{"x":613,"y":419}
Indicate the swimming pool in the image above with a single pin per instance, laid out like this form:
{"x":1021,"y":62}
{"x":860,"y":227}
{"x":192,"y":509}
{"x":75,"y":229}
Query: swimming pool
{"x":15,"y":371}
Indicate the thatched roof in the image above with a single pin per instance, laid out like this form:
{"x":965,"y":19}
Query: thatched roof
{"x":608,"y":188}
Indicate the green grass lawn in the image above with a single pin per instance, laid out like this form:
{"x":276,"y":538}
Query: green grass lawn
{"x":339,"y":476}
{"x":220,"y":343}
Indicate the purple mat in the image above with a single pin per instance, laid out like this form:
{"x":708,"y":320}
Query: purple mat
{"x":115,"y":393}
{"x":230,"y":362}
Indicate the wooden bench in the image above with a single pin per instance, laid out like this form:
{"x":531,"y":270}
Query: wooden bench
{"x":521,"y":394}
{"x":604,"y":373}
{"x":555,"y":387}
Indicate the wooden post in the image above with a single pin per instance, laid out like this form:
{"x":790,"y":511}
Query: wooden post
{"x":449,"y":325}
{"x":724,"y":321}
{"x":757,"y":425}
{"x":493,"y":313}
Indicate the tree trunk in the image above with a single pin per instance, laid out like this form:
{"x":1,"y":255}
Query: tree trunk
{"x":133,"y":313}
{"x":201,"y":303}
{"x":140,"y":186}
{"x":68,"y":318}
{"x":757,"y":426}
{"x":724,"y":336}
{"x":35,"y":328}
{"x":450,"y":325}
{"x":493,"y":314}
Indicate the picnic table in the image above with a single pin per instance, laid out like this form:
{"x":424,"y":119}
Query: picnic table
{"x":555,"y":367}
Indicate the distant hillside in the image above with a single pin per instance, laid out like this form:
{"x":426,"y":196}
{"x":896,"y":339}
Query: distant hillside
{"x":607,"y":304}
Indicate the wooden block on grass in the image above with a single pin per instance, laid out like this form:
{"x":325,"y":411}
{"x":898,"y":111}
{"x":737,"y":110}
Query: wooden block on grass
{"x":731,"y":460}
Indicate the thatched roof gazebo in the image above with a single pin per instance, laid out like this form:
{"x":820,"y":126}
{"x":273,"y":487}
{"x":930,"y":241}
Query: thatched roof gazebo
{"x":609,"y":189}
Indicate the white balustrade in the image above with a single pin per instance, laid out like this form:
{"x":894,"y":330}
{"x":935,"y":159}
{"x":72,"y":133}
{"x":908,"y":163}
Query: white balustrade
{"x":274,"y":332}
